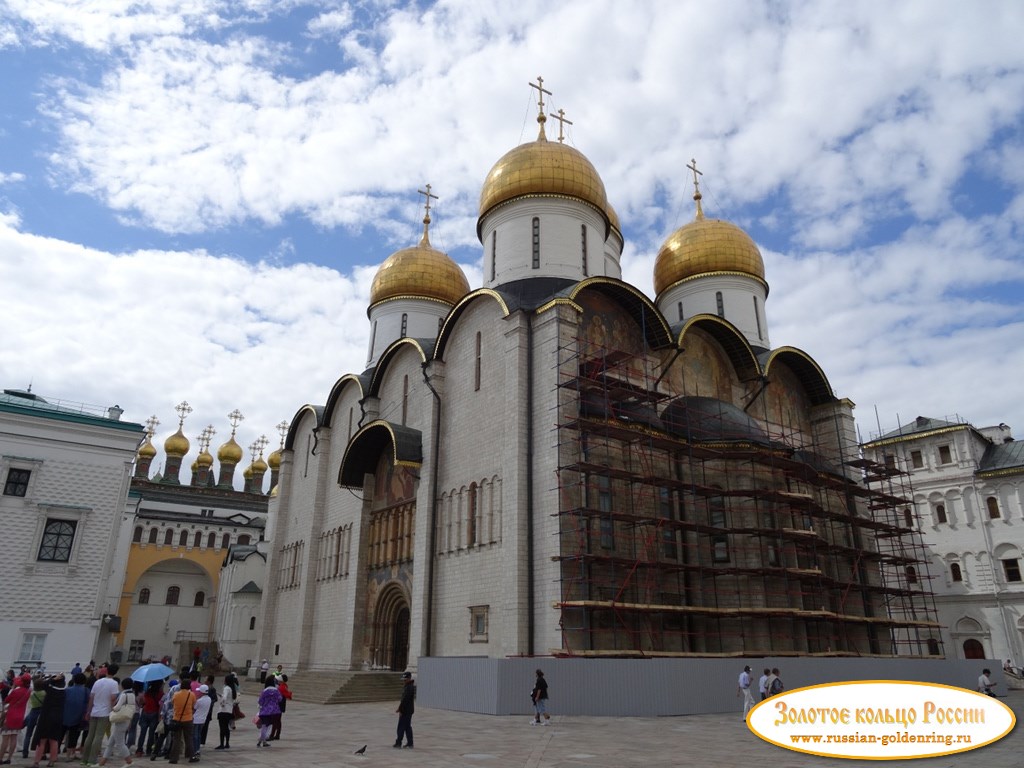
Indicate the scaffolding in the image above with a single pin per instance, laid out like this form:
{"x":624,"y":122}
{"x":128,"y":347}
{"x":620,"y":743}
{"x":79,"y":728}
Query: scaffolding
{"x":687,"y":527}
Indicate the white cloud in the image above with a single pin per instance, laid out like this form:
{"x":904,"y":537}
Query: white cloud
{"x":330,"y":24}
{"x":11,"y":178}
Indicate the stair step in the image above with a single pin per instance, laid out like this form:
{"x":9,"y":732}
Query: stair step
{"x":345,"y":687}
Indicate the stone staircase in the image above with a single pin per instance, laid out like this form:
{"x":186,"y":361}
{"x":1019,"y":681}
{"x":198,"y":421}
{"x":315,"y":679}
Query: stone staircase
{"x":332,"y":687}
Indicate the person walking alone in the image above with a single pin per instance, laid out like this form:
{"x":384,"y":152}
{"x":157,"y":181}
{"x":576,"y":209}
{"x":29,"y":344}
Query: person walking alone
{"x":539,"y":695}
{"x":743,"y":686}
{"x":406,"y":708}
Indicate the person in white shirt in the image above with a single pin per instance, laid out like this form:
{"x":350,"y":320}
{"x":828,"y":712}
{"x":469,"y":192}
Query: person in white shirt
{"x":226,"y":714}
{"x":199,"y":716}
{"x":762,"y":687}
{"x":743,"y":686}
{"x":985,"y":683}
{"x":101,"y":700}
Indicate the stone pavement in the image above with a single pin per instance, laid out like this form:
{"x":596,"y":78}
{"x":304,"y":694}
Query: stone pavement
{"x":327,"y":735}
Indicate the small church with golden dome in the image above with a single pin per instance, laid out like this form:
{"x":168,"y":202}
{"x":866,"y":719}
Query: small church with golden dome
{"x":556,"y":464}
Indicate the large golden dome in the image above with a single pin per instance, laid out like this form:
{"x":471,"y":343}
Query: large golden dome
{"x":543,"y":167}
{"x":421,"y":271}
{"x":230,"y":452}
{"x":274,"y":459}
{"x":177,"y":444}
{"x":703,"y":246}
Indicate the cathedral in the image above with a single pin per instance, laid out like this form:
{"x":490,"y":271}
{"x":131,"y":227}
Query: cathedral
{"x":554,"y":464}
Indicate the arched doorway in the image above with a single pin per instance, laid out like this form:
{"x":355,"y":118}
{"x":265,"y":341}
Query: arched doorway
{"x":391,"y":630}
{"x":973,"y":649}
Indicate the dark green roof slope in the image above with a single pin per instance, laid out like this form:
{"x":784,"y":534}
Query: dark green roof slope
{"x":1003,"y":456}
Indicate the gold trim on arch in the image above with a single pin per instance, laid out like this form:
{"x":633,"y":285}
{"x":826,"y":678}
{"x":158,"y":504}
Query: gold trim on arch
{"x":775,"y":353}
{"x":750,"y":363}
{"x":718,"y":273}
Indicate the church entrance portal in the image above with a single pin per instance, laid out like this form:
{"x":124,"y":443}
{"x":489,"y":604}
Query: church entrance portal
{"x":391,"y":630}
{"x":973,"y":649}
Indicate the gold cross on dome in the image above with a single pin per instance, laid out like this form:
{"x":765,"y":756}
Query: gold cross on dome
{"x":236,"y":418}
{"x":282,"y":430}
{"x":696,"y":186}
{"x":562,"y":122}
{"x":183,"y":409}
{"x":151,"y":424}
{"x":428,"y":194}
{"x":261,"y":443}
{"x":539,"y":85}
{"x":205,"y":437}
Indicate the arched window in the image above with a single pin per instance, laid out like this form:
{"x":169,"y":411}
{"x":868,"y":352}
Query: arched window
{"x":252,"y":623}
{"x":940,"y":513}
{"x":211,"y":540}
{"x":955,"y":573}
{"x":471,"y":512}
{"x":908,"y":517}
{"x":197,"y":540}
{"x":536,"y":242}
{"x":183,"y":539}
{"x":243,"y":539}
{"x":225,"y":540}
{"x":153,"y":533}
{"x":911,"y":575}
{"x":137,"y":536}
{"x":144,"y":596}
{"x":200,"y":599}
{"x":720,"y":303}
{"x":933,"y":646}
{"x":173,"y":593}
{"x":168,"y":537}
{"x":993,"y":507}
{"x":405,"y":324}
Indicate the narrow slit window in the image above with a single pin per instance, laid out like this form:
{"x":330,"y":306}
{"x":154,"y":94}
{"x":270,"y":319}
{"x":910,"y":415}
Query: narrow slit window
{"x":536,"y":242}
{"x":757,"y":318}
{"x":476,"y":370}
{"x":583,"y":246}
{"x":494,"y":254}
{"x":720,"y":302}
{"x":405,"y":324}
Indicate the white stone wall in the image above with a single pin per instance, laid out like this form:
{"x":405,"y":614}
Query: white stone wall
{"x":79,"y":472}
{"x":739,"y":292}
{"x":422,"y":322}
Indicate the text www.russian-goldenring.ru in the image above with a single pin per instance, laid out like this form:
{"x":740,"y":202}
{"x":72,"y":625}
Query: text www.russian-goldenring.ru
{"x":885,"y":739}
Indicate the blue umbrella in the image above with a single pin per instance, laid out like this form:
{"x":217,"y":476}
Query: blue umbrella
{"x":149,"y":673}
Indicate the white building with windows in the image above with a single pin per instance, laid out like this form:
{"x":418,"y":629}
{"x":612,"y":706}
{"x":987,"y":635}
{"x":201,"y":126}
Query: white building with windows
{"x":65,"y":471}
{"x":968,"y":493}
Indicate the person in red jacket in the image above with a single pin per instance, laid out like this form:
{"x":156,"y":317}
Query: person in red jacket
{"x":15,"y":720}
{"x":282,"y":688}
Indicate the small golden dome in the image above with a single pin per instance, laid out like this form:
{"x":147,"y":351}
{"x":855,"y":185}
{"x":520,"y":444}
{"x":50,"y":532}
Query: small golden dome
{"x":177,"y":444}
{"x":702,"y":246}
{"x":259,"y":465}
{"x":205,"y":459}
{"x":195,"y":466}
{"x":230,"y":452}
{"x":543,"y":167}
{"x":421,"y":271}
{"x":274,"y":459}
{"x":147,"y":450}
{"x":247,"y":473}
{"x":273,"y":492}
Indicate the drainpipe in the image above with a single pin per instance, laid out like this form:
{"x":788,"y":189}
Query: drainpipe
{"x":428,"y":620}
{"x":530,"y":622}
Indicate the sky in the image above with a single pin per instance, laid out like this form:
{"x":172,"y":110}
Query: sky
{"x":195,"y":195}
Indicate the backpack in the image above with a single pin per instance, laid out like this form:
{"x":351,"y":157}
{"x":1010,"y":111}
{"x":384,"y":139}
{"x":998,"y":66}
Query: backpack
{"x":776,"y":686}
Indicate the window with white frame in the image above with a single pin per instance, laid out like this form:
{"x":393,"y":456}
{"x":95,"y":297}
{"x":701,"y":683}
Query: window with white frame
{"x":135,"y":650}
{"x":478,"y":615}
{"x":17,"y":482}
{"x":32,"y":644}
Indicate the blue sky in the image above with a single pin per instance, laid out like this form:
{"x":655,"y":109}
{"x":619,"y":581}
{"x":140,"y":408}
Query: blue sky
{"x":195,"y":194}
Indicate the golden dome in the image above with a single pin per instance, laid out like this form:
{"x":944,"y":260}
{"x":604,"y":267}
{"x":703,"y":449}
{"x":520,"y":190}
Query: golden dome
{"x":147,"y":450}
{"x":273,"y":492}
{"x":259,"y":466}
{"x":195,"y":466}
{"x":230,"y":452}
{"x":706,"y":245}
{"x":543,"y":167}
{"x":177,"y":444}
{"x":205,"y":459}
{"x":421,"y":271}
{"x":274,"y":459}
{"x":247,"y":473}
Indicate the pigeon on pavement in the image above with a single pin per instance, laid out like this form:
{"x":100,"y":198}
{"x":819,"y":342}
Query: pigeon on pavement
{"x":361,"y":751}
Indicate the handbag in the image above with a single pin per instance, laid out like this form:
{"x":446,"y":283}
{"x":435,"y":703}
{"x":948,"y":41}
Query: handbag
{"x":121,"y":713}
{"x":161,"y":729}
{"x":256,"y":721}
{"x":237,"y":713}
